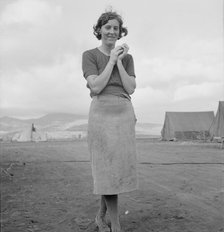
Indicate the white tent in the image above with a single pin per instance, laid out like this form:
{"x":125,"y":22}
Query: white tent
{"x":187,"y":125}
{"x":28,"y":135}
{"x":23,"y":136}
{"x":217,"y":127}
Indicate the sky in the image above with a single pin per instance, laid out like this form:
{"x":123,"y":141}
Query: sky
{"x":177,"y":46}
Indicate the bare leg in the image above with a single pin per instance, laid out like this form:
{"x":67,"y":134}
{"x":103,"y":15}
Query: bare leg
{"x":103,"y":208}
{"x":100,"y":218}
{"x":112,"y":207}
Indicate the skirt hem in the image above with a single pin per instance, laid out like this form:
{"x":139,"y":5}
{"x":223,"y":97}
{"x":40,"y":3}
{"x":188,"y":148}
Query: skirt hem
{"x":116,"y":193}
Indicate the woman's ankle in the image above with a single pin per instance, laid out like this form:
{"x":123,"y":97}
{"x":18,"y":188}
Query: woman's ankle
{"x":101,"y":215}
{"x":116,"y":227}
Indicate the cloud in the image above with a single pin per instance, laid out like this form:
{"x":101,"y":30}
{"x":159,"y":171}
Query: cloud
{"x":145,"y":100}
{"x":199,"y":91}
{"x":55,"y":88}
{"x":34,"y":12}
{"x":191,"y":62}
{"x":34,"y":32}
{"x":42,"y":41}
{"x":150,"y":95}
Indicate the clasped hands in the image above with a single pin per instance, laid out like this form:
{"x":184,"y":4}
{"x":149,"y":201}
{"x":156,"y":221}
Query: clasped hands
{"x":118,"y":53}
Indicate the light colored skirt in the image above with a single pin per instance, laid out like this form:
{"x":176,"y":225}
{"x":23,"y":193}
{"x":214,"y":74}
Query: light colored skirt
{"x":111,"y":142}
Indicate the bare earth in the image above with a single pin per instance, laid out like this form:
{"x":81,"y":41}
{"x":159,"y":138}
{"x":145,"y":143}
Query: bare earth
{"x":181,"y":188}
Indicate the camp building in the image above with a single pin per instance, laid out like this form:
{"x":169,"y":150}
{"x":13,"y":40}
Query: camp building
{"x":187,"y":125}
{"x":217,"y":127}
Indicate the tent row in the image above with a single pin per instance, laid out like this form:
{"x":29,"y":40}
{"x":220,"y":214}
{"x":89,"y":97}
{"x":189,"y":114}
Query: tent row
{"x":30,"y":136}
{"x":194,"y":125}
{"x":217,"y":127}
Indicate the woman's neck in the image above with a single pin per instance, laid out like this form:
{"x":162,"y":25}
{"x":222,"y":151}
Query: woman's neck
{"x":106,"y":49}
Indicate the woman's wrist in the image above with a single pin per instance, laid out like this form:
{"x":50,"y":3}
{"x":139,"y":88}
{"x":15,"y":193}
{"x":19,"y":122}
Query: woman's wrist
{"x":111,"y":62}
{"x":119,"y":61}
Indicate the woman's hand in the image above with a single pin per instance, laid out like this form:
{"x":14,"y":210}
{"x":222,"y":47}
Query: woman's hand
{"x":115,"y":53}
{"x":125,"y":49}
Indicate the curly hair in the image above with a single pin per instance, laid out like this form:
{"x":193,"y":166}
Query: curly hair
{"x":104,"y":18}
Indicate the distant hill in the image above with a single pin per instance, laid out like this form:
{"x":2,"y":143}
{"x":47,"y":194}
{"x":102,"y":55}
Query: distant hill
{"x":10,"y":120}
{"x":59,"y":122}
{"x":141,"y":128}
{"x":82,"y":127}
{"x":57,"y":117}
{"x":147,"y":125}
{"x":49,"y":121}
{"x":148,"y":129}
{"x":8,"y":124}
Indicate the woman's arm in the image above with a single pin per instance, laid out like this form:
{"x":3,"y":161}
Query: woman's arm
{"x":127,"y":81}
{"x":98,"y":82}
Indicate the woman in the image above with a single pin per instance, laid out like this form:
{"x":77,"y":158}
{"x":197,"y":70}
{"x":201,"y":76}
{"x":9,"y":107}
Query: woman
{"x":109,"y":71}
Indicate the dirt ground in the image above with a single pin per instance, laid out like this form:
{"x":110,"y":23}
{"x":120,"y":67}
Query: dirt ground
{"x":181,"y":188}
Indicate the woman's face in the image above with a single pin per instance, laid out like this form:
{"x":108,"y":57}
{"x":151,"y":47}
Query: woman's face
{"x":110,"y":32}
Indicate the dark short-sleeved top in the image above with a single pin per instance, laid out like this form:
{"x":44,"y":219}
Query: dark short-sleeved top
{"x":94,"y":62}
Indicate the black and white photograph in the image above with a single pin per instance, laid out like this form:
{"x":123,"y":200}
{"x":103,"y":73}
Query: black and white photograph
{"x":111,"y":116}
